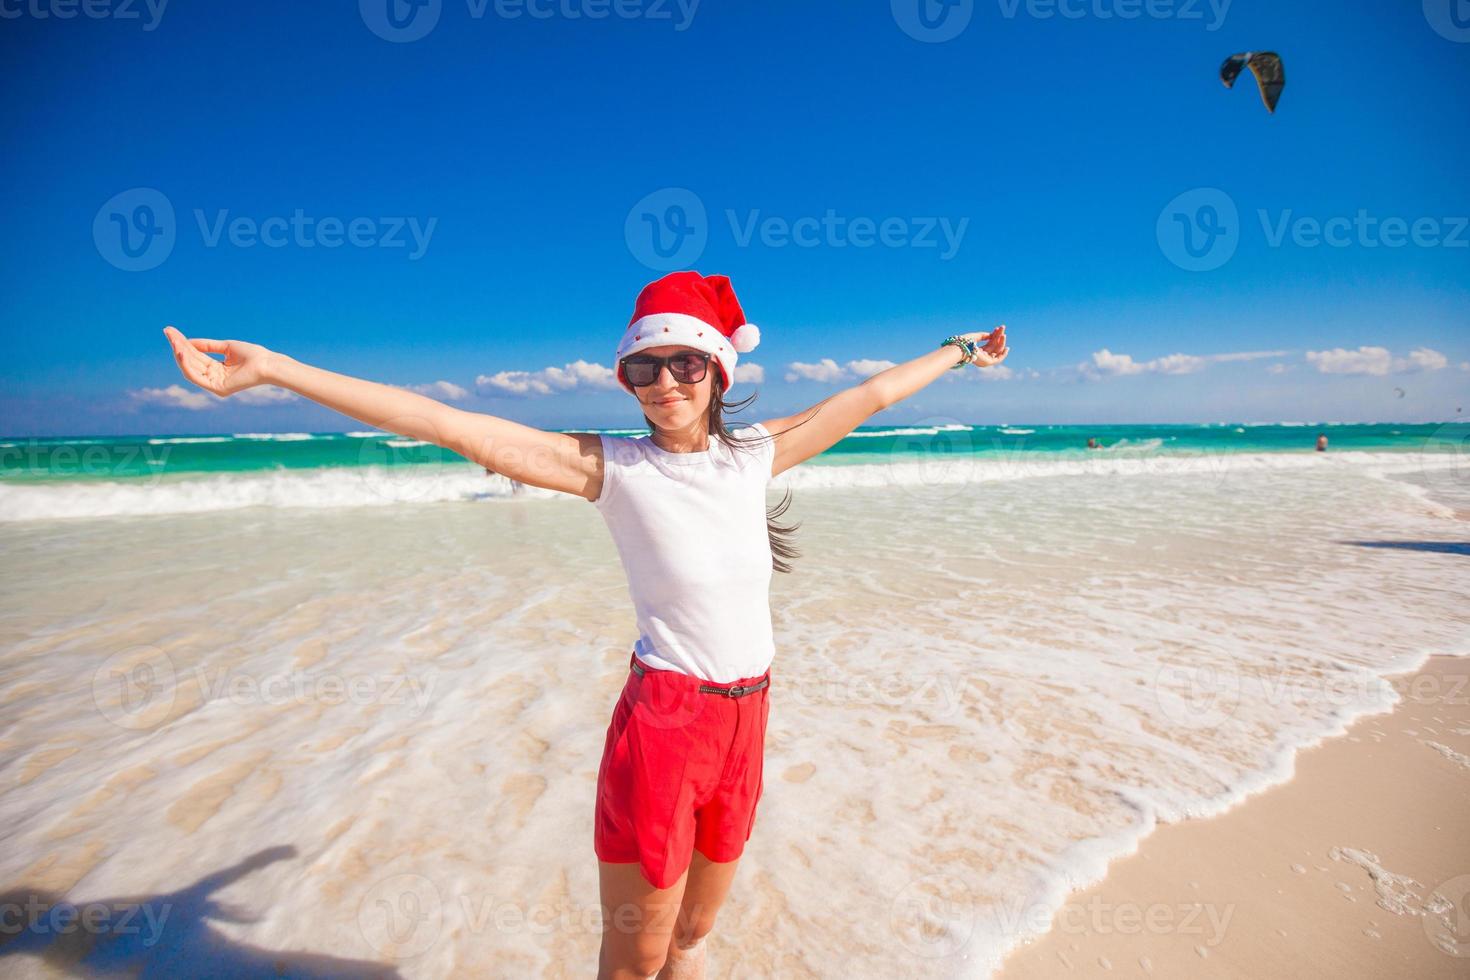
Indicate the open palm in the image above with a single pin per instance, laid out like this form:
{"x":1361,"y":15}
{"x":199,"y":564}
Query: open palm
{"x":993,"y":347}
{"x":242,"y":367}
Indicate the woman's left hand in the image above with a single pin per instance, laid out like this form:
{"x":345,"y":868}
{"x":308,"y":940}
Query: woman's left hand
{"x":992,"y":348}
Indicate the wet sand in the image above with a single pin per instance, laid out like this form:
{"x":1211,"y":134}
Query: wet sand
{"x":1357,"y":867}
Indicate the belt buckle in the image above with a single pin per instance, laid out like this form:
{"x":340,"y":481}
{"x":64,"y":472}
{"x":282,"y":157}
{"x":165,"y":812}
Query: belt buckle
{"x":735,"y":691}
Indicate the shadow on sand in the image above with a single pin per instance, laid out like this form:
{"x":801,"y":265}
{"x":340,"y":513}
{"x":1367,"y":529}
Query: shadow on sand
{"x":167,"y":935}
{"x":1443,"y":547}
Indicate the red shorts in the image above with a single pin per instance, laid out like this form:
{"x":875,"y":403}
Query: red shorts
{"x":682,"y":770}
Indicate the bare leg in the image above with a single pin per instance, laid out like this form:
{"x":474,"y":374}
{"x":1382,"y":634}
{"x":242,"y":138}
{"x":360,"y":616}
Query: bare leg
{"x":637,"y":922}
{"x":706,"y":887}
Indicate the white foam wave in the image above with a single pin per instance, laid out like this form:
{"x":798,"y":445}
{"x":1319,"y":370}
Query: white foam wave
{"x":364,"y":486}
{"x":335,"y":487}
{"x":276,"y":436}
{"x":1128,"y":445}
{"x":926,"y":430}
{"x":178,"y":440}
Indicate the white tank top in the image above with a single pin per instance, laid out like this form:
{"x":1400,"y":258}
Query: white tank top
{"x":691,"y":531}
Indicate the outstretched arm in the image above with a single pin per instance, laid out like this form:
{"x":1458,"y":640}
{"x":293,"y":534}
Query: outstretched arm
{"x":801,"y":436}
{"x":569,"y":462}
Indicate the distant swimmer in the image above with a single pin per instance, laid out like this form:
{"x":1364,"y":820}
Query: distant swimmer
{"x":1322,"y":443}
{"x":517,"y":488}
{"x":1092,"y":443}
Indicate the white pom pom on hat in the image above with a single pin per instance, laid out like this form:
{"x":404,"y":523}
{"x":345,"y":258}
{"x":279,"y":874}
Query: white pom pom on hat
{"x":746,"y":337}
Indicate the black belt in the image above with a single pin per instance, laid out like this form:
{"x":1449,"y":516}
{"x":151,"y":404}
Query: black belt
{"x":734,"y":691}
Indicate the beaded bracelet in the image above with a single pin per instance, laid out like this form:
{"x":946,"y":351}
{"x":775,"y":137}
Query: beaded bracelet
{"x":967,"y":346}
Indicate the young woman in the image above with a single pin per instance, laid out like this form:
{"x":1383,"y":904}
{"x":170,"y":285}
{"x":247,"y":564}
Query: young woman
{"x":681,"y":769}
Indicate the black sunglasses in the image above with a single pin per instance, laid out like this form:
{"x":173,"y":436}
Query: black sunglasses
{"x":687,"y":367}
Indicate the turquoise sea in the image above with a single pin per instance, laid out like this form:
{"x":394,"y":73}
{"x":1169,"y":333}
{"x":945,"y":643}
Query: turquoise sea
{"x":104,"y":476}
{"x":126,"y":457}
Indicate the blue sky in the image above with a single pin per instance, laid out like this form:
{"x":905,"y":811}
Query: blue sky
{"x":1036,"y":164}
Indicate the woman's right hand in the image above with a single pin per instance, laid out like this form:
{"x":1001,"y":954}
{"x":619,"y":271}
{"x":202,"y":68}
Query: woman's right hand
{"x":243,"y":366}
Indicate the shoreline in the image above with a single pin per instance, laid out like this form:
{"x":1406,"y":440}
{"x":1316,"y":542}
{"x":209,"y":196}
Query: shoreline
{"x":1349,"y":868}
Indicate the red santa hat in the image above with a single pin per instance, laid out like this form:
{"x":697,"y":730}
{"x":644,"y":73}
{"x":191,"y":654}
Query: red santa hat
{"x":690,"y":310}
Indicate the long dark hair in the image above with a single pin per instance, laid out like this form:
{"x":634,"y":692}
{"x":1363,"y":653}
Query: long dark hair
{"x":781,"y":535}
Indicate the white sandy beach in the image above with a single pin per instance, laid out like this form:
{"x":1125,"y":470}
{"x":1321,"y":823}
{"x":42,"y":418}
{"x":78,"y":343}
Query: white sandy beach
{"x":364,"y":740}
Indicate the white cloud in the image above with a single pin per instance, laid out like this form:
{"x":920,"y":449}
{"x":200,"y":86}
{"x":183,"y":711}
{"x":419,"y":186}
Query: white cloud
{"x":827,"y":370}
{"x":749,"y":374}
{"x":1177,"y":364}
{"x":176,"y":396}
{"x":264,"y":395}
{"x":1375,"y":361}
{"x":824,"y":370}
{"x":868,"y":368}
{"x":1107,"y":364}
{"x":1424,"y":359}
{"x":578,"y":374}
{"x":1364,"y":360}
{"x":998,"y":372}
{"x":447,"y":390}
{"x":1280,"y":368}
